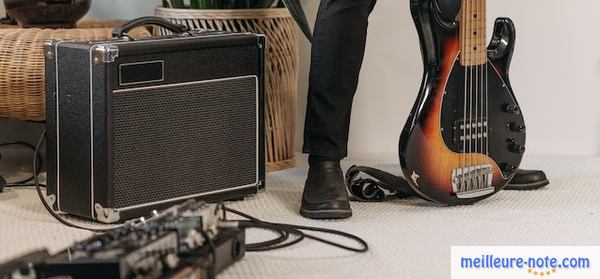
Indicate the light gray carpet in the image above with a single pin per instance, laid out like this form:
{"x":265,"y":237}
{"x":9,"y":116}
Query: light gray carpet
{"x":408,"y":238}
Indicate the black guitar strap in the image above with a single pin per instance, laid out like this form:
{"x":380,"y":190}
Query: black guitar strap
{"x":372,"y":189}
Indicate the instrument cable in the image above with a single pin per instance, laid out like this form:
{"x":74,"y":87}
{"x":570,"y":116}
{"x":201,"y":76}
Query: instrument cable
{"x":296,"y":230}
{"x":284,"y":230}
{"x":22,"y":183}
{"x":38,"y":188}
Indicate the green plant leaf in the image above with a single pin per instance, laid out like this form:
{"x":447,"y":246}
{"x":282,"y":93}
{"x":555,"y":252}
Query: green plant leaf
{"x":297,"y":12}
{"x":176,"y":4}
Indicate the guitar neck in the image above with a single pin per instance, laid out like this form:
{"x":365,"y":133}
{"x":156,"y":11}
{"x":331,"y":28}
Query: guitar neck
{"x":473,"y":33}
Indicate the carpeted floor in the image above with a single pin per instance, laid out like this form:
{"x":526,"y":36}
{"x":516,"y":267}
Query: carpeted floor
{"x":408,"y":238}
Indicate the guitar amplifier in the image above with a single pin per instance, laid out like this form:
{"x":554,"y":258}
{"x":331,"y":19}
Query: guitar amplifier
{"x":137,"y":125}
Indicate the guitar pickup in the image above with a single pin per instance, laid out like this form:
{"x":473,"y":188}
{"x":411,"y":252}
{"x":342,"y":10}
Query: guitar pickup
{"x":469,"y":131}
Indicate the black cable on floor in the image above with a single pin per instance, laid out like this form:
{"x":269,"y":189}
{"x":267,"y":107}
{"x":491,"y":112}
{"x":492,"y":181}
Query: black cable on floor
{"x":22,"y":183}
{"x":258,"y":246}
{"x":271,"y":244}
{"x":41,"y":195}
{"x":297,"y":230}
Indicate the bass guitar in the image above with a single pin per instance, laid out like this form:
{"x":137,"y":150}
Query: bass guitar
{"x":465,"y":136}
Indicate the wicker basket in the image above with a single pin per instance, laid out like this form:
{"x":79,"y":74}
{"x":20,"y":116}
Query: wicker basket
{"x":22,"y":84}
{"x":281,"y":71}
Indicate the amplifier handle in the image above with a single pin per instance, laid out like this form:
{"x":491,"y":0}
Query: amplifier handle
{"x":121,"y":31}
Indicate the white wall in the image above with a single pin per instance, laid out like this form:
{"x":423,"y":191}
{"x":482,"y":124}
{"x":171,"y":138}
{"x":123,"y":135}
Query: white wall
{"x":555,"y":74}
{"x":122,"y":9}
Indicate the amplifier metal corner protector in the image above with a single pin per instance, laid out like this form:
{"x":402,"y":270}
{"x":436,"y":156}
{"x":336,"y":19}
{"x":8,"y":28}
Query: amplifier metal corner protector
{"x":137,"y":125}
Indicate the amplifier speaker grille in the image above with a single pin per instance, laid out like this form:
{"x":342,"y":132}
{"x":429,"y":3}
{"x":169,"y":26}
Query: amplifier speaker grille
{"x":181,"y":140}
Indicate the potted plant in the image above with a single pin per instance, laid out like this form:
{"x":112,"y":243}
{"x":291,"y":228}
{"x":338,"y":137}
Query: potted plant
{"x":277,"y":20}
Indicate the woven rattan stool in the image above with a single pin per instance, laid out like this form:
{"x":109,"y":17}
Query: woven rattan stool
{"x":22,"y":84}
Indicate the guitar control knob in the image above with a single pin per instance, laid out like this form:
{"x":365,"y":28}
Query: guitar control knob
{"x":517,"y":127}
{"x":508,"y":167}
{"x":517,"y":148}
{"x":512,"y":109}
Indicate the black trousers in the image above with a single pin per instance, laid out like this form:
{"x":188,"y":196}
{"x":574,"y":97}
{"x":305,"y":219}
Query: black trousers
{"x":338,"y":48}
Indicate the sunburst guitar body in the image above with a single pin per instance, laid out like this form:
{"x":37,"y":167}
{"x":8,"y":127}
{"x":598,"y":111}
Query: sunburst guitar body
{"x":465,"y":136}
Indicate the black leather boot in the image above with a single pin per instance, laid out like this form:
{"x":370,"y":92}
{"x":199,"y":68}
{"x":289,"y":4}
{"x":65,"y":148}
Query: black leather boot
{"x":527,"y":180}
{"x":325,"y":195}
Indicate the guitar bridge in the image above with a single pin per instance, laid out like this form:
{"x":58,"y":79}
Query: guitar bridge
{"x":473,"y":181}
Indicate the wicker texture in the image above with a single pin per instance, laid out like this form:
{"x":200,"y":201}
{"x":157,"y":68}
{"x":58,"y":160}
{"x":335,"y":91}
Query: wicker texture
{"x":22,"y":83}
{"x":281,"y":70}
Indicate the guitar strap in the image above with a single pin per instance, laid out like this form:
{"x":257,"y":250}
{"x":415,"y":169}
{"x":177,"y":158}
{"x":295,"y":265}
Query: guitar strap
{"x":374,"y":189}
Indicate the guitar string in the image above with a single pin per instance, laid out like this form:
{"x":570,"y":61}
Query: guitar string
{"x":466,"y":119}
{"x":481,"y":34}
{"x":483,"y":86}
{"x":487,"y":127}
{"x":463,"y":125}
{"x":483,"y":53}
{"x":470,"y":167}
{"x":487,"y":118}
{"x":476,"y":93}
{"x":478,"y":19}
{"x":480,"y":22}
{"x":480,"y":52}
{"x":470,"y":106}
{"x":476,"y":85}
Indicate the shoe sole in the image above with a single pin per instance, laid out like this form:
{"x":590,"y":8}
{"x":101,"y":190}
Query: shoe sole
{"x":527,"y":187}
{"x":326,"y":214}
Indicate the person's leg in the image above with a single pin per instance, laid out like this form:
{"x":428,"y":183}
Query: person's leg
{"x":337,"y":53}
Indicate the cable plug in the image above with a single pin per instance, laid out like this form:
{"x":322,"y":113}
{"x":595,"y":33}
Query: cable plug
{"x":227,"y":224}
